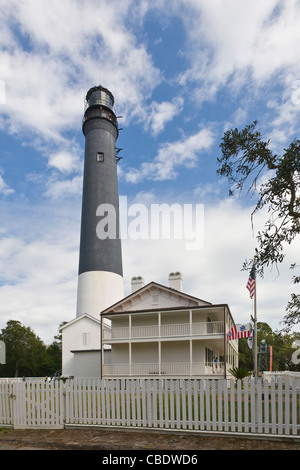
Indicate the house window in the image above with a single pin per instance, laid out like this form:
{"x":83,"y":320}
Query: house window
{"x":155,"y":299}
{"x":86,"y":339}
{"x":209,"y":357}
{"x":100,"y":157}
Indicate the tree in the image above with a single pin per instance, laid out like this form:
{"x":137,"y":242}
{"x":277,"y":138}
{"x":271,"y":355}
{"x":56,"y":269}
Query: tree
{"x":245,"y":157}
{"x":27,"y":355}
{"x":54,"y":358}
{"x":25,"y":352}
{"x":245,"y":355}
{"x":54,"y":353}
{"x":281,"y":344}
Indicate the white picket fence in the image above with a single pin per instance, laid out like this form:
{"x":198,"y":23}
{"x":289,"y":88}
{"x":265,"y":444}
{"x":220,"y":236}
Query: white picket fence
{"x":33,"y":403}
{"x":191,"y":405}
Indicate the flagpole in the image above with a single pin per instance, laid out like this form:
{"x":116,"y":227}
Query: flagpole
{"x":255,"y":325}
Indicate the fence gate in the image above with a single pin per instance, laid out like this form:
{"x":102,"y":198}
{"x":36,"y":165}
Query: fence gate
{"x":38,"y":405}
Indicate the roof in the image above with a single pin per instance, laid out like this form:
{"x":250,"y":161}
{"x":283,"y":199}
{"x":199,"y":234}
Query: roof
{"x":85,"y":315}
{"x":113,"y":308}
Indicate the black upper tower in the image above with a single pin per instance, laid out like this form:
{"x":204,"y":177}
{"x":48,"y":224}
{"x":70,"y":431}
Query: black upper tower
{"x":100,"y":184}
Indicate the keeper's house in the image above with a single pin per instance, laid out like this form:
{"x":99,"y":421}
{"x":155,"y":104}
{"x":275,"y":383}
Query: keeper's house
{"x":159,"y":331}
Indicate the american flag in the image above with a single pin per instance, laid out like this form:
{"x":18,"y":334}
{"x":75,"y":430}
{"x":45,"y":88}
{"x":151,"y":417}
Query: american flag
{"x":251,"y":282}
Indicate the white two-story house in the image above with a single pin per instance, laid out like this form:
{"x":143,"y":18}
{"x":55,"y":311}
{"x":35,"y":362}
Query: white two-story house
{"x":160,"y":331}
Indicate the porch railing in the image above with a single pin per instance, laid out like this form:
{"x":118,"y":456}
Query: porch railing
{"x":171,"y":369}
{"x":164,"y":331}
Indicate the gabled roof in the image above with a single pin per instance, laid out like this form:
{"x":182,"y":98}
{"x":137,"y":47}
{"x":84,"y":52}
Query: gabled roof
{"x":85,"y":315}
{"x":126,"y":303}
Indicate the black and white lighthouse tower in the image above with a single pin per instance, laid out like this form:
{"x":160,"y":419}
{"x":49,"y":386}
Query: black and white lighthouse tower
{"x":100,"y":277}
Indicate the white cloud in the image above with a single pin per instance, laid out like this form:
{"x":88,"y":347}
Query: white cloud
{"x":68,"y":52}
{"x":57,"y":189}
{"x":161,"y":113}
{"x":38,"y":266}
{"x":284,"y":119}
{"x":227,"y":43}
{"x":38,"y":99}
{"x":234,"y":43}
{"x":171,"y":156}
{"x":64,"y":161}
{"x":5,"y":190}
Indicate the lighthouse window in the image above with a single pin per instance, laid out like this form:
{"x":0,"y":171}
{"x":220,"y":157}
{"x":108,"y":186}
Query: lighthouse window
{"x":100,"y":157}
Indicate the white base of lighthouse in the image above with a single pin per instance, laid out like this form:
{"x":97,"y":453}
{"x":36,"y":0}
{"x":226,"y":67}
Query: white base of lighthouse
{"x":98,"y":290}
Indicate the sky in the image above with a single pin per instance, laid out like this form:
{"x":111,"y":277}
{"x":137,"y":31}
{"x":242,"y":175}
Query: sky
{"x":182,"y":73}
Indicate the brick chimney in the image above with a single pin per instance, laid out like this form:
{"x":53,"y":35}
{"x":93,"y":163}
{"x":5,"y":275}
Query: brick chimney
{"x":175,"y":281}
{"x":137,"y":283}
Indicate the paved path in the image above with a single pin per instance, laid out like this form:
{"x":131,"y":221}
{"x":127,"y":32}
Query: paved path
{"x":116,"y":440}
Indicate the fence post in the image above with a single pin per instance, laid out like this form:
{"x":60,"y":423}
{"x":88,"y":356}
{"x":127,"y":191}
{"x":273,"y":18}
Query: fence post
{"x":12,"y":404}
{"x":64,"y":405}
{"x":294,"y":406}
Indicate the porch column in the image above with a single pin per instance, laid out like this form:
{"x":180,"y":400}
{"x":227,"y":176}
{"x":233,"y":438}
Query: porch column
{"x":159,"y":323}
{"x":191,"y":342}
{"x":159,"y":341}
{"x":129,"y":344}
{"x":159,"y":357}
{"x":225,"y":347}
{"x":101,"y":347}
{"x":129,"y":327}
{"x":191,"y":357}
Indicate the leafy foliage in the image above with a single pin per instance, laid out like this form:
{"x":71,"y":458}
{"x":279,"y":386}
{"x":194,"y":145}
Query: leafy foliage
{"x":282,"y":348}
{"x":26,"y":354}
{"x":246,"y":158}
{"x":239,"y":372}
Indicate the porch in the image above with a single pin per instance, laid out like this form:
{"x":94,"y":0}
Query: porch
{"x":170,"y":369}
{"x":182,"y":330}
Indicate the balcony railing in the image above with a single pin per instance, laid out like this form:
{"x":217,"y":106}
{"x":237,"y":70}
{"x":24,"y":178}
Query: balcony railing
{"x":164,"y":331}
{"x":164,"y":369}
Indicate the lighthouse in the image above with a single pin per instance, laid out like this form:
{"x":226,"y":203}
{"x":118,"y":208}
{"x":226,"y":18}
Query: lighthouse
{"x":100,"y":274}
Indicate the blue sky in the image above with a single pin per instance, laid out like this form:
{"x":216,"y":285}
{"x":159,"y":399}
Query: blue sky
{"x":182,"y":73}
